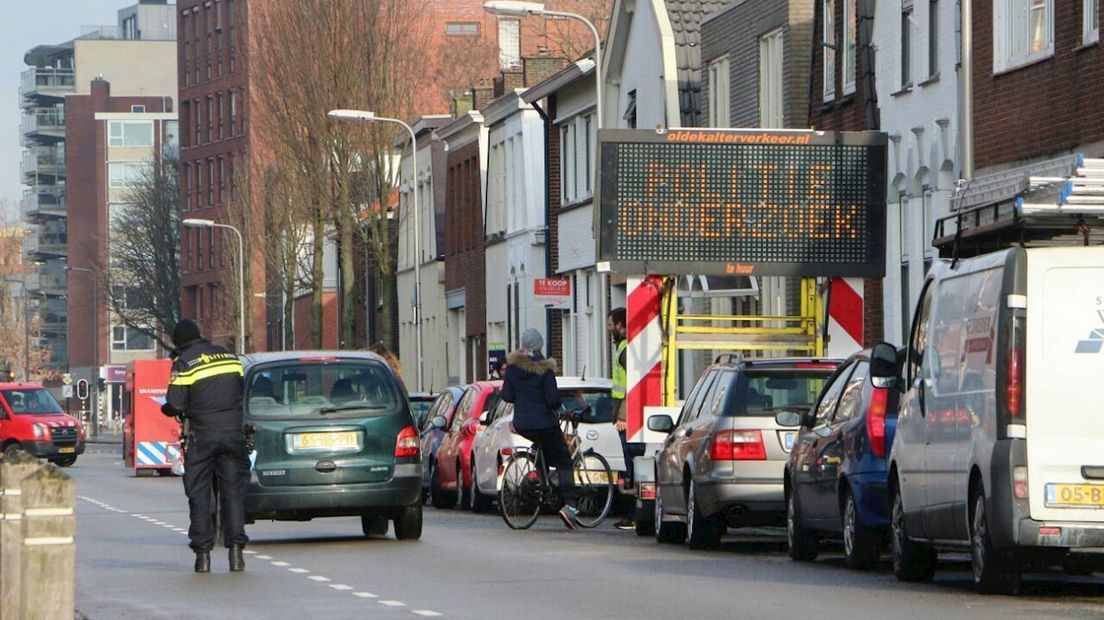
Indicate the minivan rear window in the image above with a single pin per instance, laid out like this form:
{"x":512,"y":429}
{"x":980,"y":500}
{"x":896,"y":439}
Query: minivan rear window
{"x":311,"y":390}
{"x":766,"y":392}
{"x":603,"y":408}
{"x":31,"y":401}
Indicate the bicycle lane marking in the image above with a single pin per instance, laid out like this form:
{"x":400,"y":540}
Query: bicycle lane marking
{"x":322,"y":579}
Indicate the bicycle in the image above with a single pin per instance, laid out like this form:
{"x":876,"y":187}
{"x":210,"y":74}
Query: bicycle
{"x":527,"y":488}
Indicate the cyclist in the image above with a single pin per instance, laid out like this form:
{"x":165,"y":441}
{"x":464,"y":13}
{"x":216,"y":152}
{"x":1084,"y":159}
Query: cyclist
{"x":530,"y":384}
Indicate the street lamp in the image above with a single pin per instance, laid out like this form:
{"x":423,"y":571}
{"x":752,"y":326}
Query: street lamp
{"x":512,"y":8}
{"x":363,"y":116}
{"x":95,"y":343}
{"x":193,"y":222}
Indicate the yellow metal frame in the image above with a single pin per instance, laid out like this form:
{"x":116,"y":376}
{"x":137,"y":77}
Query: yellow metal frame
{"x":798,"y":335}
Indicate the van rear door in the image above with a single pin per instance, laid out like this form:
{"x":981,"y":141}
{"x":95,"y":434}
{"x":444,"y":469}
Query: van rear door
{"x":1064,"y":368}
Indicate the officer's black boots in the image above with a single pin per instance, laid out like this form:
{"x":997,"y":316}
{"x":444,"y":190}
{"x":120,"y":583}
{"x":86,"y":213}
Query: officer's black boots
{"x":237,"y":562}
{"x":203,"y":562}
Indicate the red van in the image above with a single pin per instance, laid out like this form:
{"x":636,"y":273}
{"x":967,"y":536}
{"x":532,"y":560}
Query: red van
{"x":31,"y":420}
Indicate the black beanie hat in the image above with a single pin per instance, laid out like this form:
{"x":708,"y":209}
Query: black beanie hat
{"x":185,"y":331}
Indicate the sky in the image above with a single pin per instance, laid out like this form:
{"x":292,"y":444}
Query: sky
{"x":29,"y":23}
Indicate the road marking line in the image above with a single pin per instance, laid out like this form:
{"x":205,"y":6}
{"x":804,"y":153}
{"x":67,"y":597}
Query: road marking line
{"x":365,"y":595}
{"x":279,"y":563}
{"x":340,"y":586}
{"x":248,"y":552}
{"x":178,"y":529}
{"x":392,"y":603}
{"x":428,"y":613}
{"x":264,"y":557}
{"x":318,"y":578}
{"x":299,"y":571}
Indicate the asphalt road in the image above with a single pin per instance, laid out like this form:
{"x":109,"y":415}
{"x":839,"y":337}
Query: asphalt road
{"x":133,"y":562}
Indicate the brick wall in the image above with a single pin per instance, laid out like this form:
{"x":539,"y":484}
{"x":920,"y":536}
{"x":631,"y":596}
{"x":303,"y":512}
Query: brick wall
{"x":552,"y":200}
{"x":1042,"y":109}
{"x":465,"y":252}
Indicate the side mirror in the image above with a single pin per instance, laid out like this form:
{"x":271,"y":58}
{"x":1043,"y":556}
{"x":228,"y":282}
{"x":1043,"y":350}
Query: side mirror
{"x":484,"y":417}
{"x":788,"y":417}
{"x":808,"y":419}
{"x":438,"y":422}
{"x":883,"y":364}
{"x":661,"y":424}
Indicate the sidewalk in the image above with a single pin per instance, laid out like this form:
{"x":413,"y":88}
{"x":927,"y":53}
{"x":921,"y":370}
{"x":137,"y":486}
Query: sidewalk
{"x":105,"y":437}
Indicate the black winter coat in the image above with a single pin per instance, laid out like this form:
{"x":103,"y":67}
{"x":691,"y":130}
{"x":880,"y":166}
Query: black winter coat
{"x":530,"y":384}
{"x":206,"y":386}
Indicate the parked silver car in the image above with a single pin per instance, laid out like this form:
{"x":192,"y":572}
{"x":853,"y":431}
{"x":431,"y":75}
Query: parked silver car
{"x":723,"y":461}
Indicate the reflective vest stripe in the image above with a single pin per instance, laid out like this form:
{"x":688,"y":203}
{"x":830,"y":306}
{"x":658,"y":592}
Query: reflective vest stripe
{"x":620,"y":375}
{"x":233,"y":367}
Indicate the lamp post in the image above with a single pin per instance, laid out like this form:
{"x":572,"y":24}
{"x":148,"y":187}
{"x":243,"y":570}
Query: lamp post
{"x":363,"y":116}
{"x":513,"y":8}
{"x":193,"y":222}
{"x":95,"y":344}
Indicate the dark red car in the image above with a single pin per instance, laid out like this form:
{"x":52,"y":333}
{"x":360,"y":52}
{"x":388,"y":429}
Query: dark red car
{"x":454,"y":455}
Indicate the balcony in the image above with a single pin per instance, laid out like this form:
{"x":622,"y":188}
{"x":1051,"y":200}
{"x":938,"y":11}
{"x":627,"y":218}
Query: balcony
{"x":43,"y":202}
{"x":43,"y":166}
{"x":47,"y":282}
{"x":44,"y":246}
{"x":47,"y":82}
{"x":43,"y":123}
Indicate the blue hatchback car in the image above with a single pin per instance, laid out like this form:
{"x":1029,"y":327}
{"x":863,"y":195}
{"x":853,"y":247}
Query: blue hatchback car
{"x":835,"y":480}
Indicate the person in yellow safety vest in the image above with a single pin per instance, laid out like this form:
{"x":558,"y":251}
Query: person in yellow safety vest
{"x":616,"y":325}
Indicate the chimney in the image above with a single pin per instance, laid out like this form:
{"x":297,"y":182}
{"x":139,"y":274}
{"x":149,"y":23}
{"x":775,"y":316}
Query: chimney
{"x":536,"y":69}
{"x":461,"y":103}
{"x":509,"y":79}
{"x":482,"y":94}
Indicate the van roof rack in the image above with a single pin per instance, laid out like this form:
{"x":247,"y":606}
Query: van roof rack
{"x":1048,"y":211}
{"x":729,"y":358}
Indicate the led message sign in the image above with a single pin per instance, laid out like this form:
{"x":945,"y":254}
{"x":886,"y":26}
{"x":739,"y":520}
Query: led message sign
{"x":747,"y":202}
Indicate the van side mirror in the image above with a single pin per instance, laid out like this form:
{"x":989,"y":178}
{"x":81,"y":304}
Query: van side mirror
{"x":661,"y":424}
{"x":883,"y":364}
{"x":788,"y":417}
{"x":438,"y":422}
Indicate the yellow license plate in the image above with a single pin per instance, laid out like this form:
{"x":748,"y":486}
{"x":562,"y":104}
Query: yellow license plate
{"x":593,"y":477}
{"x":1091,"y":495}
{"x":67,"y":450}
{"x":307,"y":441}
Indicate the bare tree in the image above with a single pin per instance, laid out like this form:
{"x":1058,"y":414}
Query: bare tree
{"x":141,"y":278}
{"x":20,"y":343}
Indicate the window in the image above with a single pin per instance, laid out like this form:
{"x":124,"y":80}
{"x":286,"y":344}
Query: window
{"x":186,"y":170}
{"x":719,"y":96}
{"x":130,"y":28}
{"x":771,"y":106}
{"x":831,"y":395}
{"x":850,"y":32}
{"x":222,"y":179}
{"x":130,"y":133}
{"x":630,"y":110}
{"x":1091,"y":29}
{"x":186,"y":41}
{"x":851,"y":399}
{"x":211,"y":248}
{"x":233,"y":113}
{"x":509,"y":43}
{"x":918,"y":341}
{"x":221,"y":115}
{"x":694,"y":401}
{"x":1023,"y":32}
{"x":171,"y":141}
{"x":197,"y":122}
{"x":829,"y":37}
{"x":138,"y":109}
{"x":589,"y":151}
{"x":933,"y":38}
{"x":906,"y":44}
{"x":462,"y":29}
{"x":210,"y":118}
{"x":567,"y":163}
{"x":210,"y":182}
{"x":124,"y":338}
{"x":125,"y":174}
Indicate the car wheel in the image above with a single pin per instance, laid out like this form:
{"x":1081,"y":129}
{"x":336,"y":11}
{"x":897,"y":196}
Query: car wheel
{"x":912,"y":561}
{"x":701,"y":532}
{"x":861,"y":544}
{"x":480,"y":503}
{"x":408,"y":525}
{"x":803,"y":543}
{"x":11,"y":449}
{"x":462,"y":491}
{"x":669,"y":531}
{"x":994,"y":572}
{"x":440,"y":499}
{"x":67,"y":461}
{"x":373,"y":526}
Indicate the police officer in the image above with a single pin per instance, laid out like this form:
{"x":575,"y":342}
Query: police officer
{"x":616,"y":326}
{"x":206,"y":388}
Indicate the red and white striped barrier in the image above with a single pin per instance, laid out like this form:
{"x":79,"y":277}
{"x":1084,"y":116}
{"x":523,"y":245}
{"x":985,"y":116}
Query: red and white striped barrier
{"x":845,"y":317}
{"x":644,"y":354}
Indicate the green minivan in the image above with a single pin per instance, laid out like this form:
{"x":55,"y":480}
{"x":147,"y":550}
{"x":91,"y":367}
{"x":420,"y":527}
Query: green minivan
{"x":334,"y":437}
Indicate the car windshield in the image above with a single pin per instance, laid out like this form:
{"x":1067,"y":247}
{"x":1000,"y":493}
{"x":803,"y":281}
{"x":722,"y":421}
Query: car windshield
{"x":312,"y":390}
{"x":31,"y":401}
{"x":766,"y":392}
{"x":603,"y":408}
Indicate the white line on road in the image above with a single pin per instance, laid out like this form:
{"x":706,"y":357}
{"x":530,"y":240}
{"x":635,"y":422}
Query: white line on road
{"x":299,"y":571}
{"x":248,"y":552}
{"x":340,"y":586}
{"x":365,"y":595}
{"x":392,"y":603}
{"x":428,"y":613}
{"x":279,"y":563}
{"x":318,"y":578}
{"x":264,"y":557}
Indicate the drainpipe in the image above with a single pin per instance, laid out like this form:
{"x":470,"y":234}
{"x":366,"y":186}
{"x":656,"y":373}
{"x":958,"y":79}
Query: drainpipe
{"x":966,"y":119}
{"x":547,"y":120}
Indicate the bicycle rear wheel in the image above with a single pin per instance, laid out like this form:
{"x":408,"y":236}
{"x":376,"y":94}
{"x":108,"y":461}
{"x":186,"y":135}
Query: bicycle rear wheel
{"x":521,"y":494}
{"x":594,"y":488}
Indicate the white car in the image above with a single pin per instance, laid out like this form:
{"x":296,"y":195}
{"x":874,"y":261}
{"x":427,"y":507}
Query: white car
{"x":495,"y":443}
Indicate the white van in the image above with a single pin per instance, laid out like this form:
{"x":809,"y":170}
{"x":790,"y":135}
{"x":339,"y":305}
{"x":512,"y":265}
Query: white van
{"x":1000,"y":438}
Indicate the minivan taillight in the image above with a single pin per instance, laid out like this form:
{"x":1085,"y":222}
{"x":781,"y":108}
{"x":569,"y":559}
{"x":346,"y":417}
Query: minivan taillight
{"x":738,"y":446}
{"x":1013,"y":390}
{"x":875,"y":421}
{"x":406,"y":444}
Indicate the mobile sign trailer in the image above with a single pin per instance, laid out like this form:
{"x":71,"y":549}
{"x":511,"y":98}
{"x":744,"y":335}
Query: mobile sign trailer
{"x":151,"y":440}
{"x":677,"y":202}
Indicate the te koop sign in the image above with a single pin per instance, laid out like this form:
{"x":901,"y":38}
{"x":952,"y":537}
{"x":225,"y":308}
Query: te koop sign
{"x":552,"y":292}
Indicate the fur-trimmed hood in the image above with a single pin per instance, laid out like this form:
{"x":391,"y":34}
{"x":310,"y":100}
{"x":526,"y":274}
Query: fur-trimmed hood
{"x":521,"y":360}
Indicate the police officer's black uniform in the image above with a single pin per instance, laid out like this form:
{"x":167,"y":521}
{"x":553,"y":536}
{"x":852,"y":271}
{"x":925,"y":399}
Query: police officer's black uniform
{"x":206,"y":387}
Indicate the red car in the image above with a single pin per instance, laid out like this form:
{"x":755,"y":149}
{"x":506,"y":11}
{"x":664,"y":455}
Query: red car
{"x":31,"y":420}
{"x":454,"y":455}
